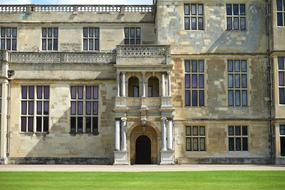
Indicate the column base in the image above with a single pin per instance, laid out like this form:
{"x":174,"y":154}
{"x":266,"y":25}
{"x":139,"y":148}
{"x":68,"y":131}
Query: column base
{"x":121,"y":158}
{"x":167,"y":157}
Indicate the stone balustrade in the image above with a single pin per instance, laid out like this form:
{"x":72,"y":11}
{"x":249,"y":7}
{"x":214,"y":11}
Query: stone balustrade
{"x":77,"y":8}
{"x":143,"y":50}
{"x":62,"y":57}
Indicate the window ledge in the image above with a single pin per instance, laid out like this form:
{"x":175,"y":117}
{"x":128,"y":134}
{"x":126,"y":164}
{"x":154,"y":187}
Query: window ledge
{"x":89,"y":134}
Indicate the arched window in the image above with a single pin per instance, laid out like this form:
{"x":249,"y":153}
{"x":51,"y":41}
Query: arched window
{"x":133,"y":87}
{"x":153,"y":87}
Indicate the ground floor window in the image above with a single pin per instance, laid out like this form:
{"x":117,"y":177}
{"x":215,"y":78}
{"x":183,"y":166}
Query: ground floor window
{"x":195,"y":138}
{"x":35,"y":109}
{"x":282,"y":139}
{"x":84,"y":109}
{"x":238,"y":138}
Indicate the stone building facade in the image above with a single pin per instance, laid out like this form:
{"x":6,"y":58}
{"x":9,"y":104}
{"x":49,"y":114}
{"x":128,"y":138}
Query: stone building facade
{"x":174,"y":82}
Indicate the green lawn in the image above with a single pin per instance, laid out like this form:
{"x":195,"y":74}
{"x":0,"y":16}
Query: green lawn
{"x":146,"y":181}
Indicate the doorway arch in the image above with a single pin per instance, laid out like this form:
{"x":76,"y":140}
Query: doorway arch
{"x":143,"y":150}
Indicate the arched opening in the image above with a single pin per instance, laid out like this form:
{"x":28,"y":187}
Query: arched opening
{"x":143,"y":150}
{"x":153,"y":87}
{"x":133,"y":87}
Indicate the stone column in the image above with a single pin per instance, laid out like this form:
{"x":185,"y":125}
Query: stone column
{"x":163,"y":84}
{"x":117,"y":135}
{"x":163,"y":134}
{"x":124,"y":134}
{"x":118,"y":84}
{"x":4,"y":113}
{"x":143,"y":85}
{"x":169,"y":83}
{"x":170,"y":135}
{"x":123,"y":85}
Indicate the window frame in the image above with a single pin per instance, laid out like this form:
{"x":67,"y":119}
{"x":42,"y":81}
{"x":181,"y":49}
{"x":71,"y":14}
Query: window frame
{"x":280,"y":86}
{"x":135,"y":38}
{"x":233,"y":16}
{"x":84,"y":115}
{"x":189,"y":15}
{"x":241,"y":136}
{"x":199,"y":89}
{"x":192,"y":136}
{"x":7,"y":38}
{"x":281,"y":136}
{"x":35,"y":113}
{"x":235,"y":89}
{"x":96,"y":30}
{"x":53,"y":38}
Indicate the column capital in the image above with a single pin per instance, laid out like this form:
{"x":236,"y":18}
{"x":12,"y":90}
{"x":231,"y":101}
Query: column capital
{"x":163,"y":118}
{"x":124,"y":119}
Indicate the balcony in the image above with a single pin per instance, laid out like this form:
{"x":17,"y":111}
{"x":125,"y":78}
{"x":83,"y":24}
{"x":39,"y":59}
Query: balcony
{"x":59,"y":57}
{"x":143,"y":103}
{"x":146,"y":55}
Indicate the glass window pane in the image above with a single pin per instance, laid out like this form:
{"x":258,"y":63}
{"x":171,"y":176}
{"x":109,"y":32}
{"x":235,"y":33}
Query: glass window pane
{"x":244,"y":130}
{"x":49,"y":32}
{"x":80,"y":125}
{"x":282,"y":95}
{"x":231,"y":98}
{"x":282,"y":129}
{"x":236,"y":9}
{"x":55,"y":32}
{"x":195,"y":130}
{"x":200,"y":9}
{"x":96,"y":44}
{"x":80,"y":108}
{"x":85,"y":32}
{"x":202,"y":131}
{"x":31,"y":92}
{"x":80,"y":92}
{"x":73,"y":125}
{"x":132,"y":33}
{"x":24,"y":108}
{"x":237,"y":66}
{"x":187,"y":98}
{"x":230,"y":66}
{"x":14,"y":44}
{"x":194,"y":23}
{"x":229,"y":23}
{"x":95,"y":108}
{"x":46,"y":107}
{"x":55,"y":44}
{"x":49,"y":44}
{"x":195,"y":144}
{"x":243,"y":66}
{"x":88,"y":108}
{"x":281,"y":78}
{"x":85,"y":44}
{"x":201,"y":66}
{"x":46,"y":124}
{"x":230,"y":81}
{"x":193,"y":9}
{"x":242,"y":23}
{"x":44,"y":45}
{"x":187,"y":81}
{"x":237,"y":98}
{"x":244,"y":144}
{"x":242,"y":9}
{"x":24,"y":92}
{"x":238,"y":144}
{"x":279,"y":5}
{"x":39,"y":107}
{"x":88,"y":124}
{"x":127,"y":32}
{"x":30,"y":124}
{"x":39,"y":124}
{"x":244,"y":81}
{"x":237,"y":81}
{"x":186,"y":9}
{"x":202,"y":144}
{"x":188,"y":144}
{"x":46,"y":93}
{"x":73,"y":92}
{"x":194,"y":98}
{"x":39,"y":92}
{"x":244,"y":98}
{"x":31,"y":107}
{"x":279,"y":19}
{"x":91,"y":43}
{"x":201,"y":98}
{"x":91,"y":32}
{"x":95,"y":92}
{"x":187,"y":23}
{"x":281,"y":63}
{"x":237,"y":130}
{"x":200,"y":23}
{"x":188,"y":131}
{"x":95,"y":125}
{"x":73,"y":108}
{"x":88,"y":92}
{"x":44,"y":32}
{"x":231,"y":144}
{"x":236,"y":23}
{"x":23,"y":124}
{"x":138,"y":33}
{"x":187,"y":66}
{"x":194,"y":81}
{"x":231,"y":130}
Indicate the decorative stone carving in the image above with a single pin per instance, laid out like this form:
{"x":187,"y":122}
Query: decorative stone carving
{"x":143,"y":51}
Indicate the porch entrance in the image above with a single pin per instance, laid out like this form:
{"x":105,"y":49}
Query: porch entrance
{"x":143,"y":150}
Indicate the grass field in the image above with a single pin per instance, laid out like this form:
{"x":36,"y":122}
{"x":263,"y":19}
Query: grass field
{"x":244,"y":180}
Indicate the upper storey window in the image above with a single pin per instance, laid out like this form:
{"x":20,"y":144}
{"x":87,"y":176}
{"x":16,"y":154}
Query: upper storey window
{"x":236,"y":17}
{"x":194,"y":16}
{"x":132,"y":35}
{"x":8,"y":38}
{"x":50,"y":39}
{"x":280,"y":12}
{"x":91,"y":38}
{"x":281,"y":80}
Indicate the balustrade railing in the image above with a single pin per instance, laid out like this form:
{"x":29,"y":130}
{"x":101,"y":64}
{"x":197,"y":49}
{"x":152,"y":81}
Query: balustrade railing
{"x":142,"y":50}
{"x":77,"y":8}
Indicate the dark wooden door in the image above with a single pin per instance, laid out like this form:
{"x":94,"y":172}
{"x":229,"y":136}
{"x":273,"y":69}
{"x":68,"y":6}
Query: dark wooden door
{"x":143,"y":150}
